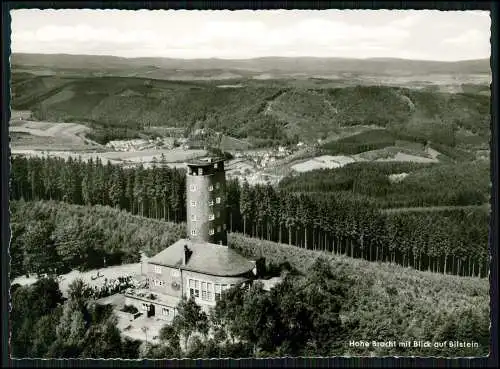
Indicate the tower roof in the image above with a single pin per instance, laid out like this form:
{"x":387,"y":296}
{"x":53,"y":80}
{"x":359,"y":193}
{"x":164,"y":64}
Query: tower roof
{"x":206,"y":161}
{"x":206,"y":258}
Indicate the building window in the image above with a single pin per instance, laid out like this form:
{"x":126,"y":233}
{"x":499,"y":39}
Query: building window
{"x":196,"y":288}
{"x":145,"y":306}
{"x":210,"y":188}
{"x":193,"y":217}
{"x":193,"y":203}
{"x":211,"y":203}
{"x":216,"y":165}
{"x":204,"y":292}
{"x":193,"y":232}
{"x":165,"y":311}
{"x":192,"y":188}
{"x":217,"y":200}
{"x":220,"y":242}
{"x":157,"y":269}
{"x":211,"y":217}
{"x":218,"y":214}
{"x":209,"y":291}
{"x":224,"y":287}
{"x":200,"y":171}
{"x":191,"y":287}
{"x":211,"y":232}
{"x":218,"y":228}
{"x":224,"y":226}
{"x":217,"y":185}
{"x":217,"y":291}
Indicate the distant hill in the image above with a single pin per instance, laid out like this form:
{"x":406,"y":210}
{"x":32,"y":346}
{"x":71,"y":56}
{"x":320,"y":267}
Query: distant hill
{"x":277,"y":66}
{"x":257,"y":110}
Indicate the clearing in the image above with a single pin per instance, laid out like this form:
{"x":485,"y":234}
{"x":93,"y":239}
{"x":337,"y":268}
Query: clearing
{"x":50,"y":135}
{"x":89,"y":277}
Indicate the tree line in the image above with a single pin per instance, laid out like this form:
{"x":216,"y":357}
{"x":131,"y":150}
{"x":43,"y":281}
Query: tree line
{"x":340,"y":222}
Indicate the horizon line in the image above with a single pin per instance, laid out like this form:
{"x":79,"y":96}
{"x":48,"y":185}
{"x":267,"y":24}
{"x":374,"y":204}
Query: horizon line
{"x":258,"y":57}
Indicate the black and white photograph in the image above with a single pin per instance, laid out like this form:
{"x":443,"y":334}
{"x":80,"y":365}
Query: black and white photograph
{"x":249,"y":183}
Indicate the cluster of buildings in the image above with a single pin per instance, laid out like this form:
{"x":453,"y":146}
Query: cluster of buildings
{"x":201,"y":266}
{"x":141,"y":144}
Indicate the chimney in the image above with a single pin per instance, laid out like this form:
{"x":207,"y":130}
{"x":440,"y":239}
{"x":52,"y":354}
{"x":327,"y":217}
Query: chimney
{"x":187,"y":254}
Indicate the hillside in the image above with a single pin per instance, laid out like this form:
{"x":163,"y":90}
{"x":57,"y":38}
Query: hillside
{"x":384,"y":301}
{"x":274,"y":110}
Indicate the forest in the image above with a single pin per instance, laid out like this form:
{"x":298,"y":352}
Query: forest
{"x":344,"y":222}
{"x":433,"y":184}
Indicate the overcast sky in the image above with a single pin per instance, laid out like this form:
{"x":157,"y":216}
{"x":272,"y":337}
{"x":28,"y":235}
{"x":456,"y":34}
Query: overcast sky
{"x":431,"y":35}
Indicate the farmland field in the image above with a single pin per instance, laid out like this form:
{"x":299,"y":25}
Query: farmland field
{"x":320,"y":162}
{"x":50,"y":135}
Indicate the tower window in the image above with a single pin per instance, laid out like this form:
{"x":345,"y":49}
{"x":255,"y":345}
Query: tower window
{"x":211,"y":217}
{"x":211,"y":232}
{"x":193,"y":232}
{"x":217,"y":200}
{"x":193,"y":217}
{"x":192,"y":188}
{"x":210,"y":188}
{"x":193,"y":203}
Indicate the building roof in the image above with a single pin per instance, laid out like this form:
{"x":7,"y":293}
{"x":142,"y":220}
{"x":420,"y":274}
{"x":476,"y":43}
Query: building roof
{"x":207,"y":258}
{"x":204,"y":161}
